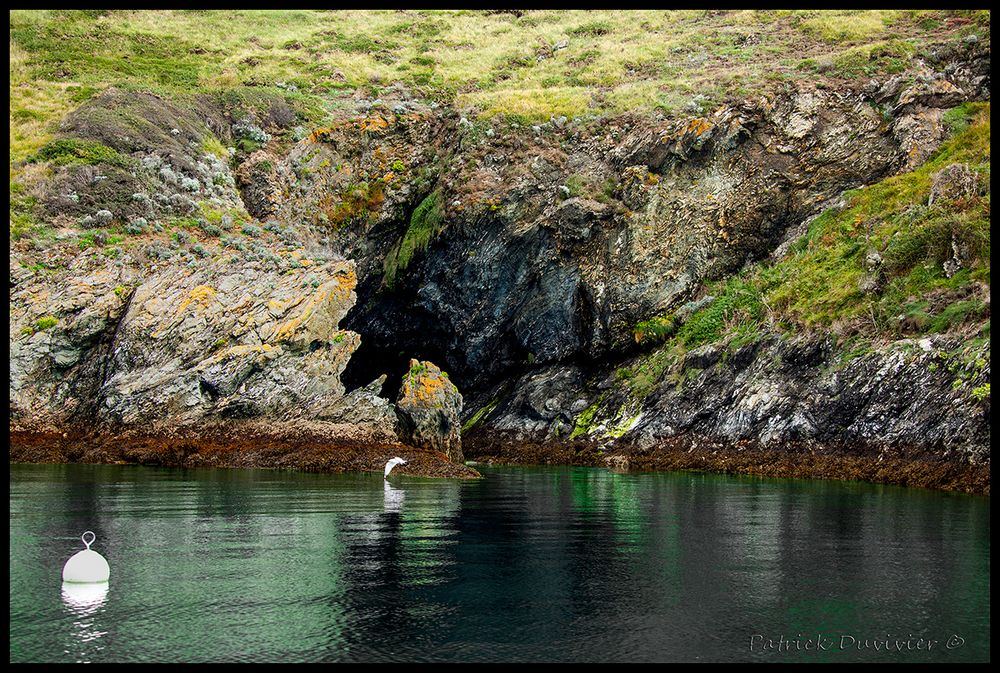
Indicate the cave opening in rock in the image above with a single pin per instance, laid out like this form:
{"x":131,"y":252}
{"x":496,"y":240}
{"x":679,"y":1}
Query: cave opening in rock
{"x":373,"y":359}
{"x":393,"y":330}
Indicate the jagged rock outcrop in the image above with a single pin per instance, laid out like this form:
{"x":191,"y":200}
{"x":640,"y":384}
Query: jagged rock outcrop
{"x":521,"y":275}
{"x":181,"y":352}
{"x":430,"y":407}
{"x":772,"y":393}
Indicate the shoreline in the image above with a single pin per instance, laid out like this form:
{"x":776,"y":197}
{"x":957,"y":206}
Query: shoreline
{"x":314,"y":454}
{"x":886,"y":466}
{"x":310,"y":454}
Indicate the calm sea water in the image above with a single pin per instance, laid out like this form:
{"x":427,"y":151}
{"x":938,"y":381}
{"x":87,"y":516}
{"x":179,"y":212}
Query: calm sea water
{"x":546,"y":564}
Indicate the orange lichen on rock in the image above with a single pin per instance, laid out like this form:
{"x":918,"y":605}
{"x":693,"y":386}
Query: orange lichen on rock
{"x":322,"y":310}
{"x":430,"y":407}
{"x":265,"y":350}
{"x":200,"y":296}
{"x":424,"y":387}
{"x":321,"y":134}
{"x":374,"y":124}
{"x":699,"y":126}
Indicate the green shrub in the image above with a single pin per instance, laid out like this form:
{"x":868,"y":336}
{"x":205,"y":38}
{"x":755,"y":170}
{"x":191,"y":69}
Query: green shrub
{"x":957,"y":118}
{"x":739,"y":304}
{"x":654,"y":330}
{"x":594,"y":28}
{"x":68,"y":151}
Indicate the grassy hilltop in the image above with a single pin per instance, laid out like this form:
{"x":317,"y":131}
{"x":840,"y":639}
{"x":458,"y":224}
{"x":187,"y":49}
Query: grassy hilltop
{"x":527,"y":65}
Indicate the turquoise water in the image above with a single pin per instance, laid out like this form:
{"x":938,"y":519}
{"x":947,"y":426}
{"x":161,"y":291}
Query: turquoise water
{"x":527,"y":564}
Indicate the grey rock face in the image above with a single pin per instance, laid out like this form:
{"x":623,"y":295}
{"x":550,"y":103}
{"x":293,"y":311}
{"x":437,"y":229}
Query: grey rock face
{"x":176,"y":352}
{"x":520,"y":276}
{"x":772,"y":392}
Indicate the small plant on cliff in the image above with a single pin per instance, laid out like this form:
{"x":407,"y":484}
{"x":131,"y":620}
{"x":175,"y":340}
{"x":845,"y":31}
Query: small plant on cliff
{"x":654,"y":330}
{"x":45,"y":323}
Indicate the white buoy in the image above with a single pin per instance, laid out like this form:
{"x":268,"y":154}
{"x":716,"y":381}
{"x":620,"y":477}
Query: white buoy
{"x":391,"y":464}
{"x":87,"y":565}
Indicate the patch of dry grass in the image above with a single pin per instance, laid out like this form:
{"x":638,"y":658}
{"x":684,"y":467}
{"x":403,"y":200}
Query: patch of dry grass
{"x":534,"y":65}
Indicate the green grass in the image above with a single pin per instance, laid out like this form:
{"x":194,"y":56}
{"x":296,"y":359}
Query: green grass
{"x":67,"y":151}
{"x":23,"y":219}
{"x":45,"y":322}
{"x":425,"y":223}
{"x":614,"y":61}
{"x":818,"y":284}
{"x":739,"y":305}
{"x":844,"y":26}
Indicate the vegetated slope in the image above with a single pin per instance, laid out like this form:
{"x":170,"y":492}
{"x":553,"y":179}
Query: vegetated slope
{"x":531,"y":64}
{"x":870,"y":328}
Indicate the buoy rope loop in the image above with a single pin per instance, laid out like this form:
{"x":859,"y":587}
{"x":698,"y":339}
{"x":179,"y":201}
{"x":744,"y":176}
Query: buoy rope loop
{"x":92,"y":538}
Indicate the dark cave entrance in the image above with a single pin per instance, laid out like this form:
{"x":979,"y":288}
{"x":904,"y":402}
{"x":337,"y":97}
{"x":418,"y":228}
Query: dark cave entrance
{"x":372,"y":359}
{"x":393,"y":330}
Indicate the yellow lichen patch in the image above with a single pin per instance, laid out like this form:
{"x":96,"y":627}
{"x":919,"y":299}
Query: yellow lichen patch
{"x":335,"y":291}
{"x":288,"y":328}
{"x":321,"y":134}
{"x":372,"y":124}
{"x":240,"y":351}
{"x":364,"y":125}
{"x":346,"y":282}
{"x":200,"y":296}
{"x":699,"y":126}
{"x":423,"y":387}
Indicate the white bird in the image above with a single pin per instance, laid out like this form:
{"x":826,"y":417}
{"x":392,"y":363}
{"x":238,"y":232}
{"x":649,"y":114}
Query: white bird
{"x":391,"y":464}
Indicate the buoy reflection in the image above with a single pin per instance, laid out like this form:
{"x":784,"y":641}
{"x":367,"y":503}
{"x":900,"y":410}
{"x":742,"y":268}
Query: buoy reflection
{"x":84,"y":602}
{"x":84,"y":599}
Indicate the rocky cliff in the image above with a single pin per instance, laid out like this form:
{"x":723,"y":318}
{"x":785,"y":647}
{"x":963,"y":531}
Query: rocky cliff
{"x":547,"y":268}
